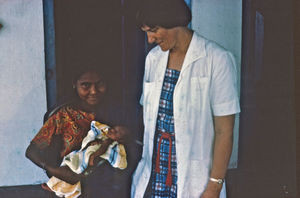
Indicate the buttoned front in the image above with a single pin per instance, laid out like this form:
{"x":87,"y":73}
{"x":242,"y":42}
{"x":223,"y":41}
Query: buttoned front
{"x":206,"y":87}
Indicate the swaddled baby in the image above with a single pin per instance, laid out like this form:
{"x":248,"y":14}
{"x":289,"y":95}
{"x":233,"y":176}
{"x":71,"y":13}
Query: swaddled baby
{"x":101,"y":141}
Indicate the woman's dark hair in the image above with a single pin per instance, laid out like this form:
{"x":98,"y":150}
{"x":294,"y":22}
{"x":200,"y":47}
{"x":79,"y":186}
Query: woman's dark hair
{"x":78,"y":72}
{"x":163,"y":13}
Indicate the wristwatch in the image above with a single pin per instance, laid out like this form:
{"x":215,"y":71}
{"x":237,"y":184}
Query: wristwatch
{"x":219,"y":181}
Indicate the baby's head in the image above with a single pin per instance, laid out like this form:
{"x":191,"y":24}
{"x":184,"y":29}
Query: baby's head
{"x":118,"y":133}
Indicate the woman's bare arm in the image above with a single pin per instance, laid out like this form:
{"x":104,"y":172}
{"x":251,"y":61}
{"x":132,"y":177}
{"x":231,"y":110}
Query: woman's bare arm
{"x":64,"y":173}
{"x":222,"y":151}
{"x":34,"y":154}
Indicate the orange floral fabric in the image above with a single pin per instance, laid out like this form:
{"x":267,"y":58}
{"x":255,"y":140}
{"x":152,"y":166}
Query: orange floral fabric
{"x":70,"y":123}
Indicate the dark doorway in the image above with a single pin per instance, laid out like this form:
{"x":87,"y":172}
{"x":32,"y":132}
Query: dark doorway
{"x":267,"y":145}
{"x":101,"y":33}
{"x":297,"y":82}
{"x":87,"y":33}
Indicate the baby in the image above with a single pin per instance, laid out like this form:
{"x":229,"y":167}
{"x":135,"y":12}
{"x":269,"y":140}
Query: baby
{"x":101,"y":141}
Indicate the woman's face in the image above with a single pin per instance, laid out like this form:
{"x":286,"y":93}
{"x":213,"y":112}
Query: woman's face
{"x":165,"y":38}
{"x":90,"y":88}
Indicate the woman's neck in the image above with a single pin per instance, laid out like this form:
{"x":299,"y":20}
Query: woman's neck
{"x":178,"y":52}
{"x":183,"y":39}
{"x":85,"y":107}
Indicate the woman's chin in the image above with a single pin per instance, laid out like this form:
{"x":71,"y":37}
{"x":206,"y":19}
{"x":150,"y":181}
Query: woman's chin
{"x":93,"y":104}
{"x":164,"y":48}
{"x":89,"y":105}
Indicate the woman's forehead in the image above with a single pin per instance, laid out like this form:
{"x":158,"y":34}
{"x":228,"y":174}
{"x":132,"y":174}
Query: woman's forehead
{"x":90,"y":76}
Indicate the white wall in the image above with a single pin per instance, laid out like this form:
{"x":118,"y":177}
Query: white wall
{"x":221,"y":21}
{"x":22,"y":88}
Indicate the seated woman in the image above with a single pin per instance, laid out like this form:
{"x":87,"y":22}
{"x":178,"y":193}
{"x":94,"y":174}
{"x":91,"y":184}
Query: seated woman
{"x":65,"y":130}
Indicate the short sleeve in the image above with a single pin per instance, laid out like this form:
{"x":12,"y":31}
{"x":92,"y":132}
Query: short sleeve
{"x":44,"y":137}
{"x":223,"y":92}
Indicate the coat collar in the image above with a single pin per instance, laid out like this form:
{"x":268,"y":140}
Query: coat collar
{"x":195,"y":51}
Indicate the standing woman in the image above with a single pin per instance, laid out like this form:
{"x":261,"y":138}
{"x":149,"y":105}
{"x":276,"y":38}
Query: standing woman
{"x":189,"y":104}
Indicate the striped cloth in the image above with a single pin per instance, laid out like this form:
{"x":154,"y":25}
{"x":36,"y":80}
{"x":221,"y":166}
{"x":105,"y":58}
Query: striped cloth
{"x":115,"y":154}
{"x":164,"y":165}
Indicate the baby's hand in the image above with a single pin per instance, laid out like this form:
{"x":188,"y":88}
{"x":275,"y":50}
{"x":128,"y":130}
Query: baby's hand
{"x":95,"y":142}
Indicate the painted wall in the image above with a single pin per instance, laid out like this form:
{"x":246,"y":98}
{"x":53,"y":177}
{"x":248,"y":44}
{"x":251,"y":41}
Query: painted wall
{"x":22,"y":88}
{"x":221,"y":21}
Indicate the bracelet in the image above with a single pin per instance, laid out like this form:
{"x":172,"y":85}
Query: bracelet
{"x":218,"y":181}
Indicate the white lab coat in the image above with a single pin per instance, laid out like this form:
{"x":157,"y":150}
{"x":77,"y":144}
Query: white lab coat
{"x":205,"y":88}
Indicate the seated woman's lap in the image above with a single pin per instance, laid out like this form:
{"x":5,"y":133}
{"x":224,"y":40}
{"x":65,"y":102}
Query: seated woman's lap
{"x":106,"y":182}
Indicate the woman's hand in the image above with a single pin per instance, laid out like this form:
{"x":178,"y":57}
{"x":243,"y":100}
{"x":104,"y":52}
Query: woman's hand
{"x":212,"y":190}
{"x":210,"y":194}
{"x":91,"y":160}
{"x":64,"y":173}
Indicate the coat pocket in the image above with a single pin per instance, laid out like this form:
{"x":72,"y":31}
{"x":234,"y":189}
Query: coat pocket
{"x":149,"y":93}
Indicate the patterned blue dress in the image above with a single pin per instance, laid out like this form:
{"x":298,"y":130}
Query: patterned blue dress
{"x":164,"y":165}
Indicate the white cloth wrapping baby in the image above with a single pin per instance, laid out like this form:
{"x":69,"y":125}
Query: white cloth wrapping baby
{"x":115,"y":154}
{"x":78,"y":161}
